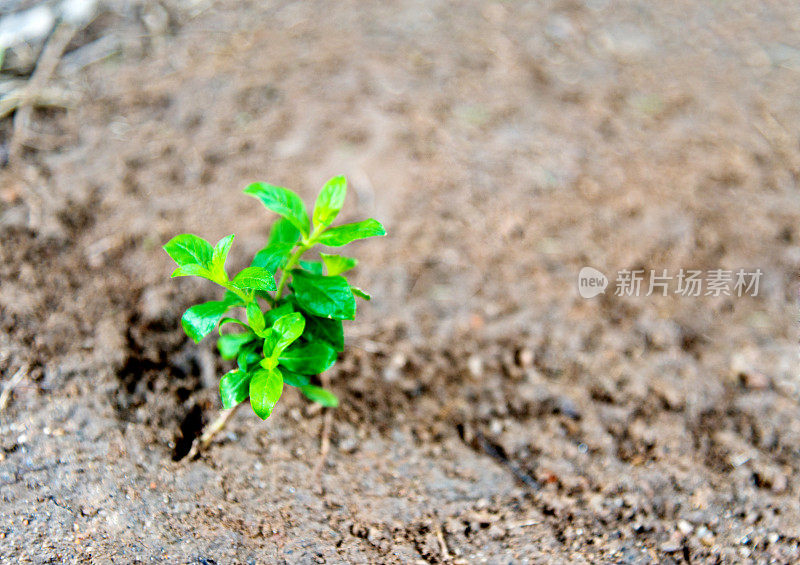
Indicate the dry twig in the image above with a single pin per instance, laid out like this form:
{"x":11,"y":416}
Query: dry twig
{"x":5,"y":396}
{"x":443,"y":544}
{"x":34,"y":91}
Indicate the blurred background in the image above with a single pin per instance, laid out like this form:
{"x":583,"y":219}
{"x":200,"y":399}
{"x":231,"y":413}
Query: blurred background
{"x":488,"y":410}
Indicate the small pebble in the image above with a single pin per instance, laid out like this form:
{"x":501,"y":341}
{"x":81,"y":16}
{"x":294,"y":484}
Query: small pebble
{"x":526,"y":358}
{"x":670,"y":547}
{"x":568,"y":408}
{"x":497,"y":532}
{"x":754,"y":380}
{"x":705,"y":536}
{"x":475,"y":366}
{"x":348,"y":444}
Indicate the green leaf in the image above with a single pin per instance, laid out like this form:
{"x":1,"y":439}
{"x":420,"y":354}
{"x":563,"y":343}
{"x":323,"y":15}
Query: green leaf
{"x":229,"y":320}
{"x":188,"y":249}
{"x":289,"y":328}
{"x":192,"y":270}
{"x":330,"y":201}
{"x":342,"y":235}
{"x":273,"y":256}
{"x":234,"y":387}
{"x":271,"y":315}
{"x":255,"y":318}
{"x":293,"y":379}
{"x":282,"y":201}
{"x":269,"y":363}
{"x":200,"y":320}
{"x":266,"y":387}
{"x":328,"y":297}
{"x":360,"y":293}
{"x":320,"y":396}
{"x":313,"y":267}
{"x":271,"y":338}
{"x":232,"y":299}
{"x":248,"y":356}
{"x":330,"y":331}
{"x":283,"y":231}
{"x":310,"y":359}
{"x":230,"y":344}
{"x":256,"y":278}
{"x":337,"y":264}
{"x":220,"y":255}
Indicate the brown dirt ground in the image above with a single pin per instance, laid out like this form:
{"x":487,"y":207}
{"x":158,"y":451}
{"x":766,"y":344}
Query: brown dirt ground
{"x":490,"y":415}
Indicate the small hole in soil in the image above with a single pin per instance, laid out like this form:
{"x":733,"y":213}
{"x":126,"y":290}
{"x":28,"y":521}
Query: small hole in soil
{"x":160,"y":383}
{"x":183,"y":393}
{"x":190,"y":428}
{"x":134,"y":370}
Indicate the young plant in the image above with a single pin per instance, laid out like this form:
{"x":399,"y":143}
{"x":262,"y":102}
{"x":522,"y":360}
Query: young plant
{"x":279,"y":332}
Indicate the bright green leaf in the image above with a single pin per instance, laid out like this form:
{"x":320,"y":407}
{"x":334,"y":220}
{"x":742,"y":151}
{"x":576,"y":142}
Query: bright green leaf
{"x":273,"y":256}
{"x":192,"y":270}
{"x":283,"y":231}
{"x":248,"y":356}
{"x":271,"y":315}
{"x":230,"y":344}
{"x":255,"y":318}
{"x":256,"y":278}
{"x":200,"y":320}
{"x":220,"y":255}
{"x":309,"y":359}
{"x":289,"y":328}
{"x":328,"y":297}
{"x":337,"y":264}
{"x":313,"y":267}
{"x":225,"y":321}
{"x":188,"y":249}
{"x":269,"y":363}
{"x":360,"y":293}
{"x":234,"y":387}
{"x":282,"y":201}
{"x":293,"y":379}
{"x":342,"y":235}
{"x":329,"y":201}
{"x":271,"y":338}
{"x":330,"y":331}
{"x":320,"y":396}
{"x":266,"y":387}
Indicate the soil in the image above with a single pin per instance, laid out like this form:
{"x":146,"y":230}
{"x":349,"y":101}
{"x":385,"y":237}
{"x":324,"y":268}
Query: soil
{"x":489,"y":414}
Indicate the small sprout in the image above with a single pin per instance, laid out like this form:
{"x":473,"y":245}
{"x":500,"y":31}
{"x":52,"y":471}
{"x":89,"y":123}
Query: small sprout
{"x":279,"y":330}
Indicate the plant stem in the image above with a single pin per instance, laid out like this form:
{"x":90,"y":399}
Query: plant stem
{"x":325,"y":442}
{"x":292,"y":263}
{"x":201,"y":443}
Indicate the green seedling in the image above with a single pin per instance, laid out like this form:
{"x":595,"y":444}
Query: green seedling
{"x":279,"y":329}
